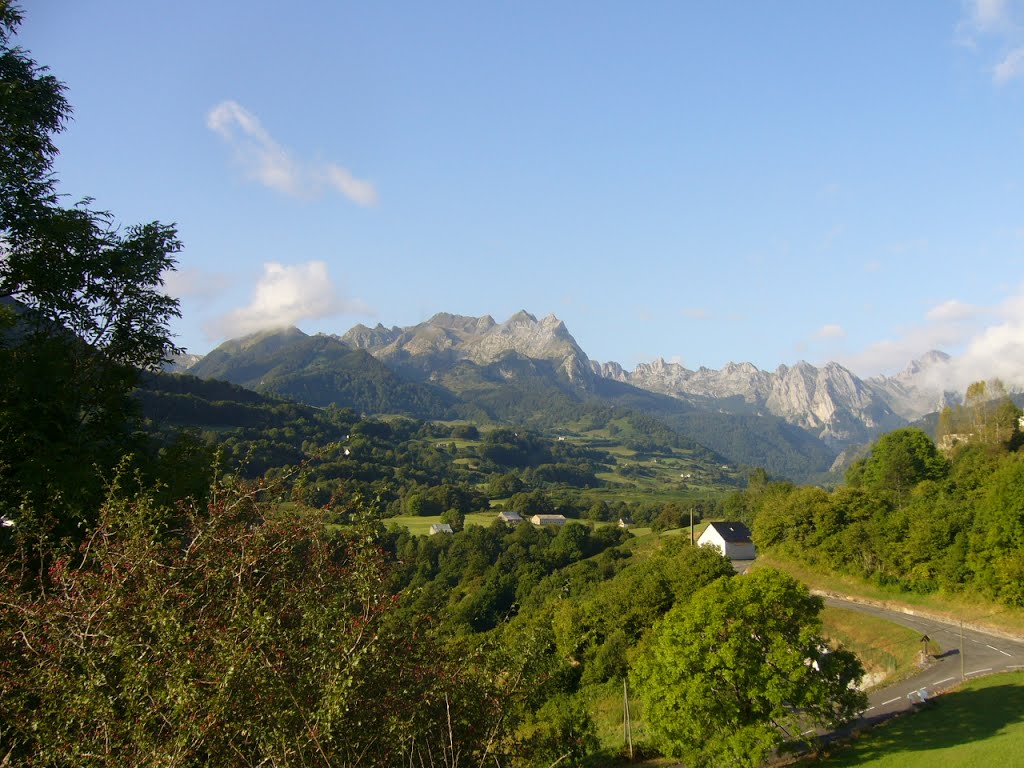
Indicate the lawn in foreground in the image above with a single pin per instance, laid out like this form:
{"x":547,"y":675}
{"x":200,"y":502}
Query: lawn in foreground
{"x":980,"y":725}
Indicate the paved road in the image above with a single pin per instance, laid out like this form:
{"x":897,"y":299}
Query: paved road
{"x":983,"y":654}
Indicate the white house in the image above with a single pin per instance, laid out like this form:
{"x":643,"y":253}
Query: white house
{"x":731,"y":539}
{"x":440,"y":528}
{"x":548,"y":519}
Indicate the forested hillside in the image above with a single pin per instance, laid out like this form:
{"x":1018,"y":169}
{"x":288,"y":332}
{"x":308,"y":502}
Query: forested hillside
{"x":913,"y":516}
{"x":422,"y":468}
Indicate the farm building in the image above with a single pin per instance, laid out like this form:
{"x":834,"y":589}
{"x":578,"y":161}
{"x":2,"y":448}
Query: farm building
{"x":731,"y":539}
{"x":548,"y":519}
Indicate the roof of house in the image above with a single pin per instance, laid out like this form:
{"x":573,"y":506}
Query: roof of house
{"x":732,"y":533}
{"x":441,"y":528}
{"x":511,"y":515}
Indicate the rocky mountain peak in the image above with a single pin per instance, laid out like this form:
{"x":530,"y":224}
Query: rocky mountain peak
{"x":522,"y":317}
{"x":361,"y":337}
{"x":522,"y":333}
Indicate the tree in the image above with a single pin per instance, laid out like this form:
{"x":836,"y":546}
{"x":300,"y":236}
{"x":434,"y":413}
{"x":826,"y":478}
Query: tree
{"x":455,"y":518}
{"x":741,"y":668}
{"x":82,"y":312}
{"x":898,"y":461}
{"x":599,"y":511}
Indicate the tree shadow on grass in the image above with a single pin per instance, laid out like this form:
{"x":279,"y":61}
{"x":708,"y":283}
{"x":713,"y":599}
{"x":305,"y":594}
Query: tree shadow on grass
{"x":947,"y":721}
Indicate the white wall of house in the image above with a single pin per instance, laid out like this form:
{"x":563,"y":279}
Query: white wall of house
{"x":732,"y":550}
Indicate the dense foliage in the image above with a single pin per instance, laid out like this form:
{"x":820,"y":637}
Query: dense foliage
{"x":911,"y":517}
{"x":224,"y":636}
{"x":732,"y":673}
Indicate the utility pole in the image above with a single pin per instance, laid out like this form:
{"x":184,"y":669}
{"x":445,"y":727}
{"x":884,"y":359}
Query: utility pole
{"x":627,"y":725}
{"x":691,"y":525}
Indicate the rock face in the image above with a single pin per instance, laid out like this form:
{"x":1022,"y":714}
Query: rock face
{"x":446,"y":339}
{"x":831,"y":402}
{"x":181,"y":363}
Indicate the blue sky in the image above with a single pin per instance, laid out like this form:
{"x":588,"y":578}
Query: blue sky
{"x":702,"y":182}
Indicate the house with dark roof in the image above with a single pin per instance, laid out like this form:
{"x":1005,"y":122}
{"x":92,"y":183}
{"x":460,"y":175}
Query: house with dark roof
{"x":510,"y":517}
{"x":731,"y":539}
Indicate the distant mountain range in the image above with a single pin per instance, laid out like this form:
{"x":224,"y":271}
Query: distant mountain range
{"x":532,"y":370}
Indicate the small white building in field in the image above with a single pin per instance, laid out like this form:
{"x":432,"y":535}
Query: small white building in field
{"x":731,"y":539}
{"x":440,"y":528}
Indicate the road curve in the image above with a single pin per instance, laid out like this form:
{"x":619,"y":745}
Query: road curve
{"x":984,"y":653}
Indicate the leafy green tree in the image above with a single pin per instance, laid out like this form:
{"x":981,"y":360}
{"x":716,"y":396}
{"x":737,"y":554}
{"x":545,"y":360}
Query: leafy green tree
{"x":899,"y":460}
{"x":503,"y":486}
{"x":83,"y":311}
{"x":599,"y":511}
{"x":455,"y":518}
{"x":733,"y":673}
{"x":564,"y":733}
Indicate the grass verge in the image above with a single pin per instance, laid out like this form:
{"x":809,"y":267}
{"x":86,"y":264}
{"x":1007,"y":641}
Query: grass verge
{"x":888,"y":651}
{"x":977,"y":726}
{"x":968,"y":607}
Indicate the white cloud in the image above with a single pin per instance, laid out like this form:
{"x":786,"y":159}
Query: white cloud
{"x":1010,"y":67}
{"x":987,"y":342}
{"x":992,"y":28}
{"x":989,"y":14}
{"x":998,"y":350}
{"x":830,"y":331}
{"x":272,"y":165}
{"x":982,"y":18}
{"x":358,"y":191}
{"x":285,"y":296}
{"x":953,"y":311}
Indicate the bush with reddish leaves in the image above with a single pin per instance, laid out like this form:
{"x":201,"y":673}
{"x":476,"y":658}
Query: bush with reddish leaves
{"x":231,"y":635}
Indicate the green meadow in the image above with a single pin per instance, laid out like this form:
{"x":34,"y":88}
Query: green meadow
{"x":977,"y":726}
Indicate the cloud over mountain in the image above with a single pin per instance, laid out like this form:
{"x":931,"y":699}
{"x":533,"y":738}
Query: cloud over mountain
{"x":285,"y":296}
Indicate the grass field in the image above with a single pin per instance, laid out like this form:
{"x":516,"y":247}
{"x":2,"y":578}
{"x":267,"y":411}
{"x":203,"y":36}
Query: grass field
{"x":420,"y":526}
{"x":980,"y":725}
{"x":888,"y":651}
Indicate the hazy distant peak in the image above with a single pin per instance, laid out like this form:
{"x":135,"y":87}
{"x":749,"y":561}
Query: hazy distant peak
{"x":928,"y":360}
{"x":270,"y":338}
